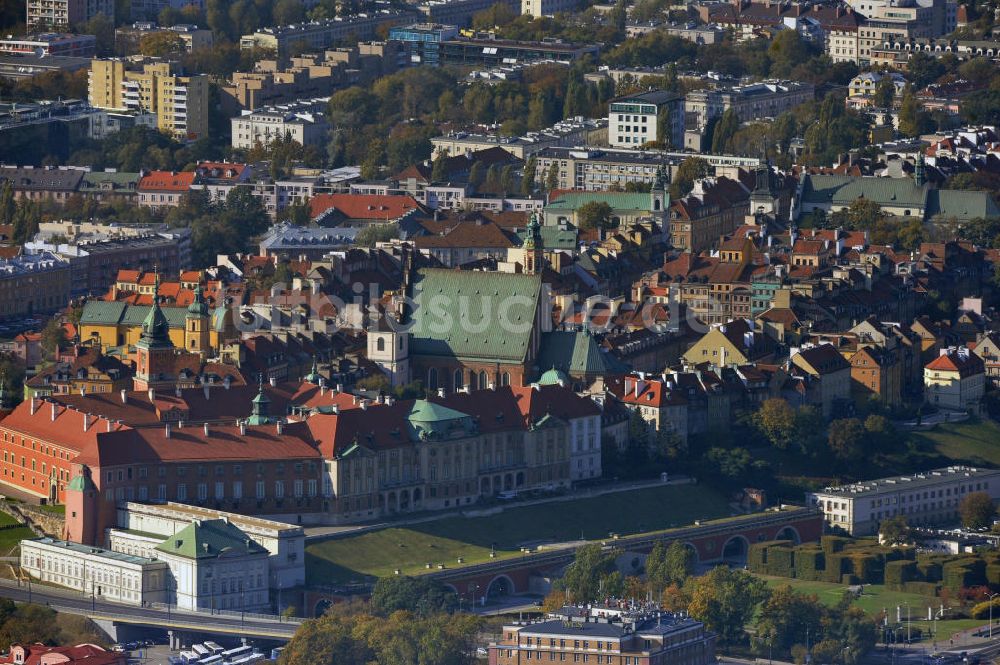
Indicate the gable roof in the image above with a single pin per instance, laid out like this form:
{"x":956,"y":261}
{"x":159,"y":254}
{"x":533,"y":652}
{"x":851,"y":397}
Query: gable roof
{"x":617,"y":200}
{"x":576,"y":354}
{"x":363,"y":206}
{"x":961,"y":204}
{"x":167,"y":181}
{"x":499,"y":311}
{"x":843,"y":190}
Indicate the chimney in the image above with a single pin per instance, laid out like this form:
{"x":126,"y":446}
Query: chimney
{"x":124,"y":396}
{"x":151,"y":394}
{"x":54,"y":411}
{"x":204,"y":387}
{"x":440,"y":392}
{"x":340,"y":387}
{"x":166,"y":430}
{"x":273,"y":381}
{"x":205,"y":427}
{"x":86,"y":422}
{"x":243,"y":428}
{"x":109,"y":424}
{"x":177,"y":391}
{"x":227,"y":382}
{"x":278,"y":427}
{"x":34,"y":405}
{"x":336,"y":409}
{"x":180,"y":424}
{"x":364,"y":405}
{"x":322,"y":389}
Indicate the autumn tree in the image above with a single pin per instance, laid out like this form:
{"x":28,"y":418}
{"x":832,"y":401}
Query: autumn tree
{"x":586,"y":579}
{"x":894,"y":530}
{"x":725,"y":601}
{"x":885,"y":93}
{"x":594,"y":215}
{"x":785,"y":617}
{"x":691,"y":169}
{"x":977,"y":510}
{"x":528,"y":179}
{"x":845,"y":438}
{"x":725,"y":129}
{"x":776,"y":420}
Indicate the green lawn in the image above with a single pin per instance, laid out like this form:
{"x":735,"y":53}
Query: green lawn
{"x":57,"y":509}
{"x":6,"y":520}
{"x":410,"y":548}
{"x":877,"y":598}
{"x":974,"y":441}
{"x":9,"y":538}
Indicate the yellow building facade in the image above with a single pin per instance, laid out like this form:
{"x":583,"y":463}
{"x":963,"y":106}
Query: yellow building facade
{"x":179,"y":102}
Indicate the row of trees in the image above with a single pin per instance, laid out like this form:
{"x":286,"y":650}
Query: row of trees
{"x":727,"y":601}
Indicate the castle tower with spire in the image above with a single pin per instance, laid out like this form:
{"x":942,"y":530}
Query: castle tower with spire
{"x":533,"y":246}
{"x":154,"y":352}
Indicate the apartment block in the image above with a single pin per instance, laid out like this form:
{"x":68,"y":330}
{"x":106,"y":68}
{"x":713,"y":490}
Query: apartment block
{"x":766,"y":99}
{"x":539,"y":8}
{"x":302,"y":121}
{"x":180,"y":102}
{"x":928,"y":498}
{"x":128,"y":38}
{"x":286,"y":40}
{"x":460,"y":12}
{"x":51,"y":43}
{"x":48,"y":14}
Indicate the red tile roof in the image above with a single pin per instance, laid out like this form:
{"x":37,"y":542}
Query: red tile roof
{"x":363,"y":206}
{"x":952,"y":361}
{"x":167,"y":181}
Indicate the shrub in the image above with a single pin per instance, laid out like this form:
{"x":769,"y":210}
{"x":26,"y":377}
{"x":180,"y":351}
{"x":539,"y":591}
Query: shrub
{"x":809,"y":563}
{"x":921,"y":588}
{"x":982,"y":610}
{"x":831,"y":544}
{"x":897,"y":573}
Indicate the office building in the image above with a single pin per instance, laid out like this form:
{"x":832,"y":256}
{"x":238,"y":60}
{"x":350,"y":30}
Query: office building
{"x":924,"y":499}
{"x":613,"y":632}
{"x":572,"y":132}
{"x":636,"y":120}
{"x":424,"y":40}
{"x":61,"y":14}
{"x":149,"y":10}
{"x":180,"y":102}
{"x":51,"y":43}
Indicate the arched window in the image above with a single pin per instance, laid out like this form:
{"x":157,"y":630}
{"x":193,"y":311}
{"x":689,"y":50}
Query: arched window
{"x":473,"y":380}
{"x":458,"y":379}
{"x":380,"y":344}
{"x":505,"y":379}
{"x":483,"y":381}
{"x":432,"y":378}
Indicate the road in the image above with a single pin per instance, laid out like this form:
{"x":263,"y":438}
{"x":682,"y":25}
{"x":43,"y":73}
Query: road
{"x":99,"y":610}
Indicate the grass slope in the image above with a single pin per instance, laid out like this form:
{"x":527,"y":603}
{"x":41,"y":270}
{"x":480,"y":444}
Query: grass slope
{"x":975,"y":442}
{"x":409,"y":548}
{"x":10,"y":538}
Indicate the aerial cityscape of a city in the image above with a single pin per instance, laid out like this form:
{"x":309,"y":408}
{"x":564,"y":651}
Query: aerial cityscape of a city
{"x":499,"y":332}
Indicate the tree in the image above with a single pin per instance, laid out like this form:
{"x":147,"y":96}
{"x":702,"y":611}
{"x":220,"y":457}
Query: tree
{"x":787,"y":51}
{"x":8,"y":206}
{"x":977,"y":510}
{"x":586,"y":579}
{"x":375,"y":233}
{"x":160,"y":44}
{"x":725,"y":600}
{"x":477,"y":174}
{"x":26,"y":221}
{"x":894,"y":530}
{"x":727,"y":127}
{"x":552,"y":178}
{"x":288,"y":11}
{"x":981,"y":107}
{"x":691,"y":169}
{"x":909,"y":114}
{"x":53,"y":337}
{"x":776,"y":420}
{"x":439,"y":172}
{"x":885,"y":92}
{"x":845,"y":439}
{"x":528,"y":179}
{"x":786,"y":616}
{"x":420,"y":595}
{"x":594,"y":215}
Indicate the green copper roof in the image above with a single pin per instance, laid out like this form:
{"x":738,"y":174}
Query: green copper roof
{"x":197,"y":306}
{"x":961,"y":204}
{"x":429,"y":412}
{"x":205,"y":539}
{"x":81,"y":482}
{"x":843,"y":190}
{"x":617,"y":200}
{"x":428,"y":420}
{"x":98,"y":312}
{"x":484,"y":316}
{"x":553,"y":377}
{"x":260,"y":408}
{"x":553,"y":237}
{"x":577,"y":354}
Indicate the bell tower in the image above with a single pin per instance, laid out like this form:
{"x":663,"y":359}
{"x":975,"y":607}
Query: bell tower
{"x":196,"y":324}
{"x":389,"y":348}
{"x":533,"y":261}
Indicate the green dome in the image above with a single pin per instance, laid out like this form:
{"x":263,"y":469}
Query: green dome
{"x":553,"y":377}
{"x":198,"y":306}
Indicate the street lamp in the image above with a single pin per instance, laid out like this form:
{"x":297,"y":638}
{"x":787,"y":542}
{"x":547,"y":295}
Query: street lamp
{"x":989,"y":600}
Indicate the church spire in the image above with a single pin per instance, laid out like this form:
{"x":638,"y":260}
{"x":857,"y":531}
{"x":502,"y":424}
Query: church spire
{"x":155,"y":329}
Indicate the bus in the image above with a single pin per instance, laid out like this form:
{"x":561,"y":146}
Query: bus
{"x":238,"y":652}
{"x":213,"y":648}
{"x":200,"y":649}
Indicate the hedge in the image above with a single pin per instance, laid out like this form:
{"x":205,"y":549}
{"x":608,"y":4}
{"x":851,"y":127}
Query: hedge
{"x":921,"y":588}
{"x":832,"y":544}
{"x":898,"y":573}
{"x":810,"y":563}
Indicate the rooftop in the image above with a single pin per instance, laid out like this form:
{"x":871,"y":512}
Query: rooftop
{"x":908,"y":483}
{"x":89,"y":550}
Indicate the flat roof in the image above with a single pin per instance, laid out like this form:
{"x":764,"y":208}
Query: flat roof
{"x":908,"y":482}
{"x":196,"y":512}
{"x":87,"y":550}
